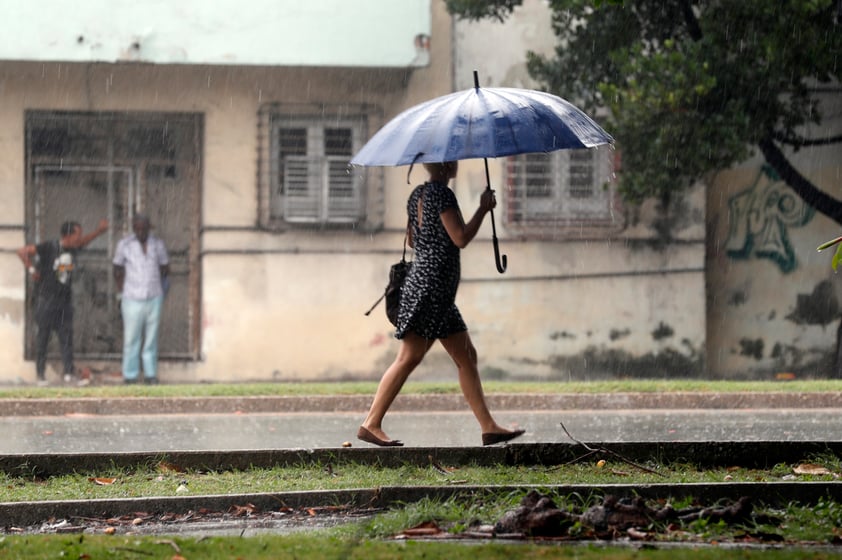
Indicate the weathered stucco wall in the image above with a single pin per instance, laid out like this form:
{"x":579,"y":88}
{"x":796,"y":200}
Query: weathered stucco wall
{"x":289,"y":302}
{"x":624,"y":302}
{"x":265,"y":32}
{"x":773,"y":301}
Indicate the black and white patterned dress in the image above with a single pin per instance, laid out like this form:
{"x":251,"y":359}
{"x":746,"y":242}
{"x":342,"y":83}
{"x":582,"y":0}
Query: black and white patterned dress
{"x":428,"y":305}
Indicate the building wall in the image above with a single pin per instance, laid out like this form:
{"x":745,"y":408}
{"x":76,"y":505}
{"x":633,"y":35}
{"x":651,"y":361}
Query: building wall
{"x":752,"y":299}
{"x":266,"y":32}
{"x":289,"y":305}
{"x":622,"y":301}
{"x":274,"y":305}
{"x":773,"y":300}
{"x":572,"y":305}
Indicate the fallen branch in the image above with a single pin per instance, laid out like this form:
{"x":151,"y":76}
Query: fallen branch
{"x":738,"y":511}
{"x":614,"y":454}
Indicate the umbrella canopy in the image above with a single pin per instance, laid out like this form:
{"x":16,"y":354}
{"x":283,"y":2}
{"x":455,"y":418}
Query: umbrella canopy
{"x":481,"y":123}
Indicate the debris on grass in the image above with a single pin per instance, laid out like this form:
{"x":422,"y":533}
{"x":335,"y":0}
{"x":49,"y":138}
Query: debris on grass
{"x":539,"y":516}
{"x":813,"y":469}
{"x":601,"y":450}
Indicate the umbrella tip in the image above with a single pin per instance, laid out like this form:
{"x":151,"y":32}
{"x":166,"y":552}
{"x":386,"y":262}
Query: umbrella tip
{"x":476,"y":79}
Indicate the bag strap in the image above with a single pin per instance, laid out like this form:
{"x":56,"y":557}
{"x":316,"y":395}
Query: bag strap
{"x":405,"y":234}
{"x":406,"y":231}
{"x":403,"y":260}
{"x":403,"y":255}
{"x":370,"y":309}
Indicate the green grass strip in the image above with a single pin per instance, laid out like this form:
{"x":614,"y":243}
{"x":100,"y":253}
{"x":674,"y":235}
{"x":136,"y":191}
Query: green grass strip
{"x":368,"y":387}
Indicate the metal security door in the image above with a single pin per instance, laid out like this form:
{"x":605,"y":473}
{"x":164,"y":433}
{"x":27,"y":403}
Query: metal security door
{"x":86,"y":194}
{"x":85,"y":166}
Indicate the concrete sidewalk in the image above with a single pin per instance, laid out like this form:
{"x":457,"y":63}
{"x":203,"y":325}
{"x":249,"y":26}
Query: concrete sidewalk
{"x":420,"y":402}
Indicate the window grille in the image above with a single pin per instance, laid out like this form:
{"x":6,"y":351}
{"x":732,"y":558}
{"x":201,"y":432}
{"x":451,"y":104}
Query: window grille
{"x":561,"y":188}
{"x":308,"y":168}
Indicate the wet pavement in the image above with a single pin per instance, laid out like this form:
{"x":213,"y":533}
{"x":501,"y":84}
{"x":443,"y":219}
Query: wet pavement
{"x":82,"y":435}
{"x":87,"y":433}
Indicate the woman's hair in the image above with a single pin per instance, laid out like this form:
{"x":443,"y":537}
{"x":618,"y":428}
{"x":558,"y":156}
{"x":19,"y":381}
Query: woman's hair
{"x":438,"y":168}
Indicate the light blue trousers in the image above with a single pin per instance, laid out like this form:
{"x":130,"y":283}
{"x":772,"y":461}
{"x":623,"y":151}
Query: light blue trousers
{"x":140,"y":323}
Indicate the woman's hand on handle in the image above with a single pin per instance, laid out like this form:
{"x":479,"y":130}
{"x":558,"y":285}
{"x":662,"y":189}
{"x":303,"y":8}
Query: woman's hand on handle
{"x":487,"y":202}
{"x":461,"y":233}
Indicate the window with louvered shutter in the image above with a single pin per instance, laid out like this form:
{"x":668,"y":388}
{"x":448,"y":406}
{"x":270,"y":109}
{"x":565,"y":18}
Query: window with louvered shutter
{"x":559,"y":189}
{"x":311,"y":183}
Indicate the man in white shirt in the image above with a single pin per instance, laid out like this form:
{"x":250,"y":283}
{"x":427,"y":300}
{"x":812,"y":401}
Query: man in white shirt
{"x":141,"y":266}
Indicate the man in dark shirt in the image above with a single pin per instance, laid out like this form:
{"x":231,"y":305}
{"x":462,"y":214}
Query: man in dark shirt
{"x":50,"y":264}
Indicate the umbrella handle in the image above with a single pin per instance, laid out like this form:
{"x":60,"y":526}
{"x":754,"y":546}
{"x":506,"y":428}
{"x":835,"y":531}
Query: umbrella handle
{"x":500,"y":260}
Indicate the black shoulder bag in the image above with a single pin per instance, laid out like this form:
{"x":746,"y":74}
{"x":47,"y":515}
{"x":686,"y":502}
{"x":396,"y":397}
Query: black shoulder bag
{"x":397,"y":276}
{"x":392,"y":293}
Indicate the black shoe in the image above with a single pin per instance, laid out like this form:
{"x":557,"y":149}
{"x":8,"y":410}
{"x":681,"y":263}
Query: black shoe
{"x":130,"y":381}
{"x":366,"y":436}
{"x":492,"y":438}
{"x":150,"y":380}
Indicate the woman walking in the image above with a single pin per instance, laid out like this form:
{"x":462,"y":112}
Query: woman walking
{"x":437,"y":232}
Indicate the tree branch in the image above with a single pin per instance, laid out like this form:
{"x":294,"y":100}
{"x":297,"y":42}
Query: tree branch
{"x":692,"y":22}
{"x":822,"y":202}
{"x":799,"y":142}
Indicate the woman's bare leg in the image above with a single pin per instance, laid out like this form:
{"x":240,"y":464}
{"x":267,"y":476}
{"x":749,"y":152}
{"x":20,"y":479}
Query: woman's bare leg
{"x":411,"y":352}
{"x":463,"y":353}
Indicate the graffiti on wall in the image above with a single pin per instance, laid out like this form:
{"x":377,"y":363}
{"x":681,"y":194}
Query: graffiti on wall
{"x":760,"y":219}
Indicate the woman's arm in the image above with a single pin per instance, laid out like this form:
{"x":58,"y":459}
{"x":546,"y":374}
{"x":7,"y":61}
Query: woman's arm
{"x":461,"y":233}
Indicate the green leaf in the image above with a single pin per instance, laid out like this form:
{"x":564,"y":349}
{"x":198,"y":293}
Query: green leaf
{"x":836,"y":256}
{"x":829,"y":244}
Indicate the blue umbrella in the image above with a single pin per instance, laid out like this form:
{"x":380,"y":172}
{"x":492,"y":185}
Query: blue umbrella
{"x":482,"y":123}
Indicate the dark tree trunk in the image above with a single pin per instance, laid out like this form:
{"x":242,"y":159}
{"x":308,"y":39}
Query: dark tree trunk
{"x":822,"y":202}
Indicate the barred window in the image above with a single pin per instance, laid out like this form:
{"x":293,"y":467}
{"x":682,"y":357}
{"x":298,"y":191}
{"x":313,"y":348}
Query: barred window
{"x":561,"y":188}
{"x":309,"y":181}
